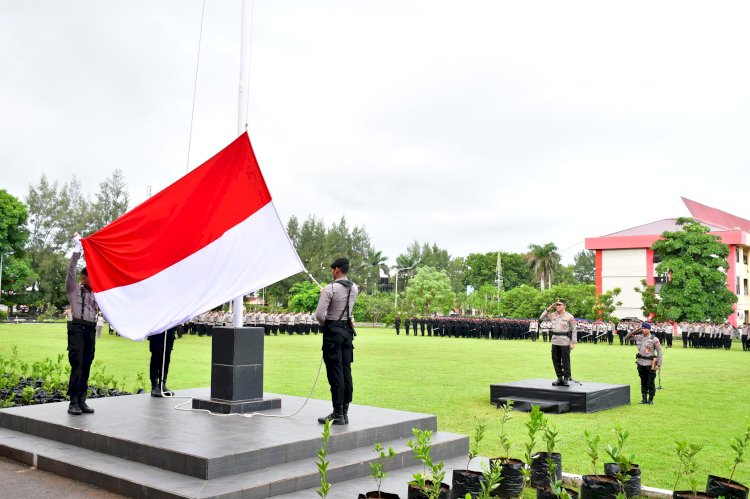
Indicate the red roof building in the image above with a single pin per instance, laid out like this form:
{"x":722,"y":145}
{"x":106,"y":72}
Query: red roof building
{"x":624,"y":258}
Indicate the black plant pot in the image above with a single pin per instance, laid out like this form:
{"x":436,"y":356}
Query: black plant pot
{"x":633,"y":484}
{"x":414,"y":492}
{"x":540,"y":469}
{"x":599,"y":487}
{"x":373,"y":494}
{"x":717,"y":486}
{"x":688,"y":494}
{"x":466,"y":482}
{"x":546,"y":493}
{"x":512,"y":484}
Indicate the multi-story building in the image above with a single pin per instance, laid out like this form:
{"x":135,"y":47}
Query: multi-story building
{"x":625,"y":258}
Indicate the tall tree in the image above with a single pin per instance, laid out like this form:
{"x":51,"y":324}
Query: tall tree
{"x":584,"y":267}
{"x":696,"y":263}
{"x":430,"y":291}
{"x":481,"y":269}
{"x":17,"y":274}
{"x":111,"y":200}
{"x":13,"y":216}
{"x":543,"y":261}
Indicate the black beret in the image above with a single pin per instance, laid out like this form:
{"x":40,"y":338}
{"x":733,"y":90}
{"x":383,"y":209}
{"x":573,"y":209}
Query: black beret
{"x":340,"y":263}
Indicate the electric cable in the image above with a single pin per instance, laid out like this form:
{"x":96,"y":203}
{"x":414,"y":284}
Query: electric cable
{"x":179,"y":406}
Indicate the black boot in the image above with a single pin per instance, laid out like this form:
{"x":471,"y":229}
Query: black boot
{"x":650,"y":400}
{"x":85,"y":408}
{"x":74,"y":408}
{"x":644,"y":400}
{"x":166,"y":391}
{"x":336,"y":417}
{"x":559,"y":381}
{"x":566,"y":382}
{"x":155,"y":389}
{"x":346,"y":413}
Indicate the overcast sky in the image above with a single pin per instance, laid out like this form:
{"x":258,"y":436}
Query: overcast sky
{"x":477,"y":125}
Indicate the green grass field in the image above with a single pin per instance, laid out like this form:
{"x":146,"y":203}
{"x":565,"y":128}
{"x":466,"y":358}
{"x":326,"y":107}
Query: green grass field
{"x":704,"y":397}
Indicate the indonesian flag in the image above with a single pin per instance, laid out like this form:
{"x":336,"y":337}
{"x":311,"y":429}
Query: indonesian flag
{"x":210,"y":237}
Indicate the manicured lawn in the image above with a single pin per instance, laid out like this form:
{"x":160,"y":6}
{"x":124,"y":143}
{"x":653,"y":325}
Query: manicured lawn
{"x":704,"y":397}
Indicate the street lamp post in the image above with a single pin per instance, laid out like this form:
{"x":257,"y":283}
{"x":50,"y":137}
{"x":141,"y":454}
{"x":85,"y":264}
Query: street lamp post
{"x":395,"y":298}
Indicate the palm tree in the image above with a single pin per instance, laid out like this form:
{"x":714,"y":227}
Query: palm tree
{"x":543,"y":260}
{"x":376,"y":261}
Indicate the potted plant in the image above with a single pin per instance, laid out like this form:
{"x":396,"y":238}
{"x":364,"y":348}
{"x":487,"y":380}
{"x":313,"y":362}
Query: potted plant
{"x":687,"y":466}
{"x":467,"y":481}
{"x":596,"y":485}
{"x":510,"y":468}
{"x":622,"y":468}
{"x":422,"y":487}
{"x":533,"y":425}
{"x":377,"y":473}
{"x":726,"y":487}
{"x":491,"y":478}
{"x":554,"y":489}
{"x":322,"y":463}
{"x":540,"y":472}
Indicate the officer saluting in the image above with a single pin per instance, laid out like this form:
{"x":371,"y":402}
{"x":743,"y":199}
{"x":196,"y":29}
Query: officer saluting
{"x":563,"y":340}
{"x":334,"y":313}
{"x":648,"y":359}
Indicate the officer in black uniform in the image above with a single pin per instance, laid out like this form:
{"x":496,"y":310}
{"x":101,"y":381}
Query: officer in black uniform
{"x":397,"y":324}
{"x":334,"y":313}
{"x":161,"y":353}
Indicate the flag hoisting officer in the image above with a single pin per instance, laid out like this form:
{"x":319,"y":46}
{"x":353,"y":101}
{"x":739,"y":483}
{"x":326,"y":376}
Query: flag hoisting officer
{"x":81,"y":332}
{"x":334,"y":313}
{"x":563,"y":339}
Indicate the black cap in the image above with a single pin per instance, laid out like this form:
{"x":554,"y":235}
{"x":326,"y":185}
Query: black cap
{"x":341,"y":263}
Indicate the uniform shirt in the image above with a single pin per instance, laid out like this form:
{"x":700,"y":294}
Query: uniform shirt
{"x":561,"y":323}
{"x":332,"y":302}
{"x":648,"y":346}
{"x":80,"y":298}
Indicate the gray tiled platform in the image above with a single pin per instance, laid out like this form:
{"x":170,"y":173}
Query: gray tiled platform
{"x":143,"y":447}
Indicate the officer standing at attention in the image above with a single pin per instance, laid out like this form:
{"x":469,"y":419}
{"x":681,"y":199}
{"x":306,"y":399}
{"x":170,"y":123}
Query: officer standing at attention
{"x":563,"y":340}
{"x":81,"y":332}
{"x":161,"y":354}
{"x":648,"y":360}
{"x":397,"y":324}
{"x":334,"y":313}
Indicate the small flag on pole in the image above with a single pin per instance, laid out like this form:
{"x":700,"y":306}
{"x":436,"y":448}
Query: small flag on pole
{"x":211,"y":236}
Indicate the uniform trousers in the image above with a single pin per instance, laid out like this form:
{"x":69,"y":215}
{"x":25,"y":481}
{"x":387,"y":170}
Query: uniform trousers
{"x":338,"y":355}
{"x":561,"y":360}
{"x":647,"y":376}
{"x":81,"y":348}
{"x":159,"y":354}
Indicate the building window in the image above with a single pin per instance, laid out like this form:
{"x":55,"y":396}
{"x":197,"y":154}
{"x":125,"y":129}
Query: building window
{"x":738,"y":287}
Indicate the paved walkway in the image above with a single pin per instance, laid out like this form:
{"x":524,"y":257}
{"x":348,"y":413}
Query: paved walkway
{"x":21,"y":482}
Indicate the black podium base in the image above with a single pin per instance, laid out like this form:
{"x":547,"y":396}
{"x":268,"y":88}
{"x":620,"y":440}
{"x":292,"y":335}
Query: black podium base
{"x":236,"y":406}
{"x":582,"y":396}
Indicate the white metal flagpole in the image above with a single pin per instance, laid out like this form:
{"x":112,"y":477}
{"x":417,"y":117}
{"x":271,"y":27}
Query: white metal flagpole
{"x":237,"y":305}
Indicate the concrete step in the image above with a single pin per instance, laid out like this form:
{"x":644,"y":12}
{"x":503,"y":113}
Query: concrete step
{"x":525,"y":404}
{"x":136,"y":479}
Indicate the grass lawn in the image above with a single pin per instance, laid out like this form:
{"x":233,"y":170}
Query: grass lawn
{"x":704,"y":400}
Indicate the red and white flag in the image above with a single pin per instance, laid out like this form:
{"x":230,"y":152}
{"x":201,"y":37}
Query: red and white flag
{"x":211,"y":236}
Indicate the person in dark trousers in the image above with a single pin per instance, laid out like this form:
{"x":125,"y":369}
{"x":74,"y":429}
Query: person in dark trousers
{"x":334,"y":313}
{"x":563,"y":339}
{"x":81,"y":332}
{"x":648,"y":360}
{"x":397,"y":324}
{"x":161,"y":353}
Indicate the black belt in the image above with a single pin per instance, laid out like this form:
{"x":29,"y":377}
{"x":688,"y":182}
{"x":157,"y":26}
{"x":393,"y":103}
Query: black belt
{"x":81,"y":322}
{"x":639,"y":356}
{"x":337,"y":323}
{"x":561,"y":334}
